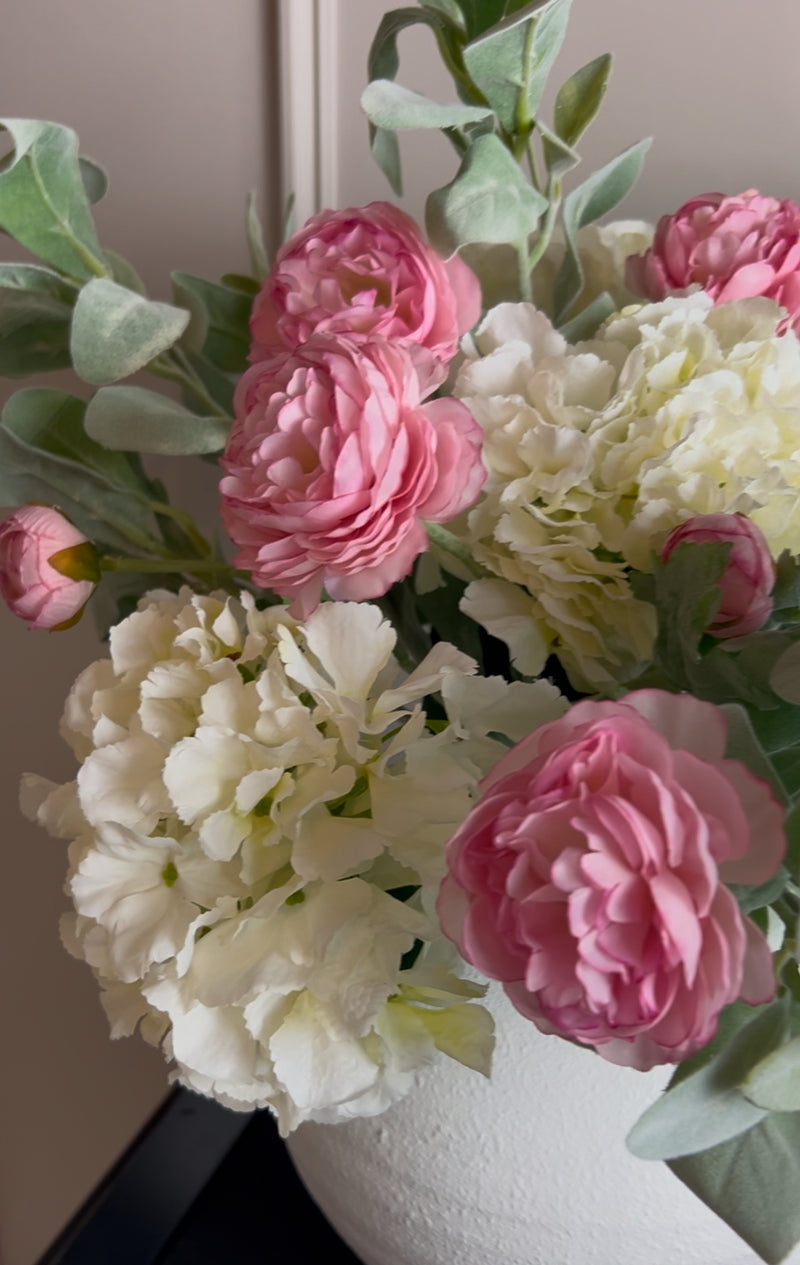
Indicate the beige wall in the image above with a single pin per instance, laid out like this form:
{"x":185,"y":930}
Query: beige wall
{"x":715,"y":81}
{"x":175,"y":99}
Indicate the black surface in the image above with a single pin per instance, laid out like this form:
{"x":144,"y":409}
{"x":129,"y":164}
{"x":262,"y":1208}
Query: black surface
{"x":201,"y":1185}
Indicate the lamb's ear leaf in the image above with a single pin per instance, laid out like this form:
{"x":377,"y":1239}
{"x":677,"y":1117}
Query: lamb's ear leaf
{"x":46,"y":455}
{"x":119,"y":416}
{"x":488,"y":201}
{"x":116,"y":332}
{"x":43,"y":198}
{"x":598,"y":195}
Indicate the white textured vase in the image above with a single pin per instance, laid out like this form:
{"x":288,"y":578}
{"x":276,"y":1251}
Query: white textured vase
{"x":529,"y":1168}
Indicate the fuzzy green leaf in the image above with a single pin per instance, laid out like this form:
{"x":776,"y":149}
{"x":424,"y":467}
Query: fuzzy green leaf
{"x":488,"y":201}
{"x":259,"y":260}
{"x":45,"y":455}
{"x":510,"y":62}
{"x":219,"y":328}
{"x":775,"y":1082}
{"x":389,"y":105}
{"x":122,"y":272}
{"x":580,"y":98}
{"x":752,"y":1183}
{"x":43,"y":201}
{"x":598,"y":195}
{"x":481,"y":15}
{"x":709,"y":1108}
{"x":116,"y":332}
{"x":95,"y":180}
{"x":128,"y":417}
{"x":383,"y":61}
{"x":586,"y":323}
{"x":35,"y":313}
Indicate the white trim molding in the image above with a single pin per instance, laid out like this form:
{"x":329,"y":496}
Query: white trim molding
{"x":309,"y":94}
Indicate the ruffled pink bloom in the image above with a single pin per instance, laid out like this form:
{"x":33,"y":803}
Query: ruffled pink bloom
{"x":334,"y":462}
{"x":32,"y":588}
{"x":733,"y":247}
{"x":749,"y":578}
{"x":364,"y":271}
{"x":590,"y":877}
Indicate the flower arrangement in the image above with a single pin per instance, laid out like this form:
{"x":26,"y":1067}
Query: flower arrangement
{"x":502,"y":672}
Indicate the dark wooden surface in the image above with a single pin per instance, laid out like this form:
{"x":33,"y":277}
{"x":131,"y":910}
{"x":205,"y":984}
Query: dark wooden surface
{"x":199,"y":1186}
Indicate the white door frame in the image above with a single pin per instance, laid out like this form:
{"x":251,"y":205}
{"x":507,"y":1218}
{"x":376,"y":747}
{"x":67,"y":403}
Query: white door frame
{"x":309,"y":96}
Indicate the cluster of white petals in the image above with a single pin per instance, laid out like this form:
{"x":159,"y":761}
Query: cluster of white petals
{"x":596,"y":451}
{"x":258,"y":829}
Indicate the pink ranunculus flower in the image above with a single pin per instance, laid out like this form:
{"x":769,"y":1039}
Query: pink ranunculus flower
{"x":45,"y":564}
{"x":749,"y":578}
{"x":334,"y":463}
{"x":733,"y":247}
{"x":364,"y":271}
{"x":590,"y":877}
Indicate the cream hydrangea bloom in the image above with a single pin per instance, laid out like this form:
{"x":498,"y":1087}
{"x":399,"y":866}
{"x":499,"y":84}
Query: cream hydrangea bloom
{"x":596,"y":451}
{"x":258,"y":825}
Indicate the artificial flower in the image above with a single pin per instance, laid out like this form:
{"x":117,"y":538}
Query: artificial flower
{"x":733,"y":247}
{"x":259,"y":823}
{"x":591,"y":877}
{"x":333,"y":464}
{"x":48,"y":569}
{"x":595,"y":452}
{"x":748,"y":579}
{"x":364,"y":271}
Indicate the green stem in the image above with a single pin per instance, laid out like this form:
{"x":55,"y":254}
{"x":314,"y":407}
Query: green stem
{"x":531,"y":156}
{"x":190,"y":566}
{"x":175,"y":368}
{"x":185,"y":521}
{"x":446,"y":543}
{"x":524,"y":271}
{"x":546,"y":231}
{"x":458,"y":71}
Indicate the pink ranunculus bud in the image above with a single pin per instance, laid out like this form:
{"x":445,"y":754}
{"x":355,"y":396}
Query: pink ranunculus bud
{"x":333,"y":464}
{"x":733,"y":247}
{"x":48,"y":568}
{"x":749,"y":578}
{"x":591,"y":877}
{"x":364,"y":271}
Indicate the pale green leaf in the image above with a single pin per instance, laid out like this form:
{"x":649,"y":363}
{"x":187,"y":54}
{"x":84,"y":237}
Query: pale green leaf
{"x":116,"y":332}
{"x":775,"y":1082}
{"x":46,"y":456}
{"x":219,"y":328}
{"x":35,"y":313}
{"x":43,"y":202}
{"x":558,"y":155}
{"x":752,"y":1183}
{"x":450,"y":9}
{"x":510,"y":62}
{"x":95,"y":180}
{"x":389,"y":105}
{"x":259,"y":259}
{"x":587,"y":322}
{"x":488,"y":201}
{"x":785,"y":676}
{"x":709,"y":1108}
{"x":382,"y":63}
{"x":129,"y":417}
{"x":580,"y":98}
{"x":598,"y":195}
{"x":743,"y":744}
{"x":122,"y":272}
{"x":481,"y":15}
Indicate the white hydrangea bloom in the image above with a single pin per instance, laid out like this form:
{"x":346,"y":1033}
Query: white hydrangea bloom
{"x":596,"y":451}
{"x":253,"y":795}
